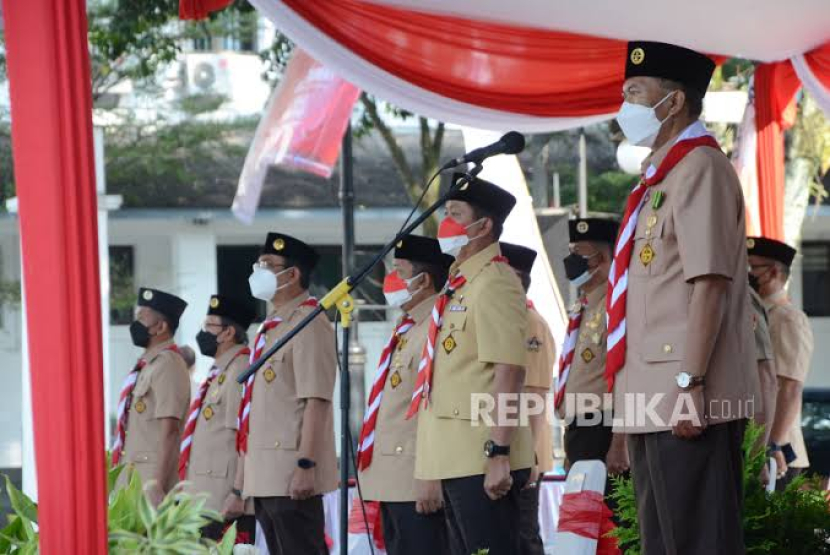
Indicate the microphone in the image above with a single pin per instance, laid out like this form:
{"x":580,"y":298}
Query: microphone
{"x":510,"y":143}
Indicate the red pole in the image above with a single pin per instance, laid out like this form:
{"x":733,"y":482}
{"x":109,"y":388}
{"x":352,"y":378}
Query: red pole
{"x":51,"y":109}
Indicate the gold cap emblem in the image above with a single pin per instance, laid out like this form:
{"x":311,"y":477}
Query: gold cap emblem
{"x":214,"y":302}
{"x":279,"y":244}
{"x":582,"y":227}
{"x":638,"y":56}
{"x":750,"y":243}
{"x":148,"y":295}
{"x":400,"y":244}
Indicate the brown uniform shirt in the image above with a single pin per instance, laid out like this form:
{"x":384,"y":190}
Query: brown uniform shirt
{"x":213,"y":457}
{"x":390,"y":477}
{"x":305,"y":368}
{"x":698,"y":230}
{"x":765,"y":403}
{"x":541,"y":364}
{"x":162,"y":390}
{"x":587,"y":373}
{"x":484,"y":324}
{"x":792,"y":341}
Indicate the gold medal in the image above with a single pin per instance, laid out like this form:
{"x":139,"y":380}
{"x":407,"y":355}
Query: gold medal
{"x":396,"y":379}
{"x":140,"y":406}
{"x":269,"y":375}
{"x":449,"y":344}
{"x":596,"y":338}
{"x":587,"y":355}
{"x":221,"y":378}
{"x":208,"y":412}
{"x":401,"y":344}
{"x":652,"y":221}
{"x":647,"y":255}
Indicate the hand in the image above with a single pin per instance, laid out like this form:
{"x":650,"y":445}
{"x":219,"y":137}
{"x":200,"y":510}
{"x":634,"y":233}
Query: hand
{"x":233,"y":507}
{"x":497,"y":478}
{"x":694,"y":424}
{"x":155,"y":495}
{"x":429,"y":498}
{"x":765,"y":475}
{"x":781,"y":463}
{"x":533,"y":481}
{"x":617,"y":458}
{"x":302,"y":484}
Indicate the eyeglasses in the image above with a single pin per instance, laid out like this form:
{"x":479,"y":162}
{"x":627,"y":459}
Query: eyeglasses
{"x":265,"y":265}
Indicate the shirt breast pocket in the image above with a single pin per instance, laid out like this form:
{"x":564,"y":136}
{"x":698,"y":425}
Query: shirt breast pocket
{"x":142,"y":387}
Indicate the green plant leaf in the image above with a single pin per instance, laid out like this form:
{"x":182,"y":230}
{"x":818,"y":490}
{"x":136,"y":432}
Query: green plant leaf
{"x":225,"y":547}
{"x":20,"y":502}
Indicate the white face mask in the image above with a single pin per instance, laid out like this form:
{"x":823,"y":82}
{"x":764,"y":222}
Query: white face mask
{"x":263,"y":283}
{"x":639,"y":123}
{"x":582,"y":279}
{"x":412,"y":280}
{"x":453,"y":240}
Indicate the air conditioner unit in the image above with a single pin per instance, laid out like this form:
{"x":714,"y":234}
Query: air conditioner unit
{"x":208,"y":74}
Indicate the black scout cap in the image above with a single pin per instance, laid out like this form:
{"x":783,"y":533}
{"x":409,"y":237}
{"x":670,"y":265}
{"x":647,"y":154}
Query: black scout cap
{"x":169,"y":305}
{"x":520,"y":258}
{"x":289,"y":247}
{"x":239,"y":311}
{"x":485,"y":195}
{"x":593,"y":229}
{"x":667,"y":61}
{"x":416,"y":248}
{"x":770,"y":248}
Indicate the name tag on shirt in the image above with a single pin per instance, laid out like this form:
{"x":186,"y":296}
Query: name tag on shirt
{"x":457,"y":308}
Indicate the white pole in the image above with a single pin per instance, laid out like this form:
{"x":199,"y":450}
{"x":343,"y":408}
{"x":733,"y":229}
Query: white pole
{"x":29,"y":470}
{"x":583,"y":177}
{"x":104,"y":271}
{"x":557,"y":198}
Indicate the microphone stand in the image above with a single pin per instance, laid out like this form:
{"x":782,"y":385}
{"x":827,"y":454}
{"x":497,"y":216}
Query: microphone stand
{"x":340,"y":298}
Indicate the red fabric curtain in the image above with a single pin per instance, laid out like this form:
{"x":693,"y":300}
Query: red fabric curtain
{"x":51,"y":110}
{"x":201,"y":9}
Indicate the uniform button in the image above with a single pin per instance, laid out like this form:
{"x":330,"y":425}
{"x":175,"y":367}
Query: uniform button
{"x":277,"y":444}
{"x":209,"y":472}
{"x":398,"y":449}
{"x":667,"y":348}
{"x":455,"y":412}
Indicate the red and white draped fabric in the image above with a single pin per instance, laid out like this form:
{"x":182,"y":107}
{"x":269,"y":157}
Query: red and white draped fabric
{"x":693,"y":137}
{"x":124,"y":401}
{"x":568,"y":348}
{"x":243,"y":420}
{"x":366,"y":442}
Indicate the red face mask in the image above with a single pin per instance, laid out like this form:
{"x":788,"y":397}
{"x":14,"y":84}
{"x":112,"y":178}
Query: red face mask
{"x":452,"y":236}
{"x":395,"y":290}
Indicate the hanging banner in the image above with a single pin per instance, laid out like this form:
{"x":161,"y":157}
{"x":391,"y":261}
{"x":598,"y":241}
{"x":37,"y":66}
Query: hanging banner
{"x":301,"y":129}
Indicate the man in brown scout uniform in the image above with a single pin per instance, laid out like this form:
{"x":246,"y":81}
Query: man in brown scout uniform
{"x":154,"y":399}
{"x":286,"y":426}
{"x":475,"y":359}
{"x":680,"y":350}
{"x":541,"y":360}
{"x":792,"y":344}
{"x":581,"y":385}
{"x":207,"y":455}
{"x":411,"y":510}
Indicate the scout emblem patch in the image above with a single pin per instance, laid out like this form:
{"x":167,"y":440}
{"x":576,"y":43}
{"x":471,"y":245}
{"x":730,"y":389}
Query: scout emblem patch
{"x":533,"y":344}
{"x":140,"y":406}
{"x":269,"y":375}
{"x":396,"y":379}
{"x":208,"y":412}
{"x":587,"y":355}
{"x":221,"y":378}
{"x":449,"y":345}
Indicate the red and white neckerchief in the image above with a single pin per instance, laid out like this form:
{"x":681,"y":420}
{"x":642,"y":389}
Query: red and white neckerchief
{"x":618,"y":274}
{"x":423,"y":381}
{"x":243,"y":421}
{"x":193,"y":415}
{"x":367,"y":432}
{"x":568,"y":348}
{"x":125,"y":399}
{"x":530,"y":305}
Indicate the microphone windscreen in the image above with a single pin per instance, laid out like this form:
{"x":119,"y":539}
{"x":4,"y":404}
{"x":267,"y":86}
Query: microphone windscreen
{"x":514,"y":142}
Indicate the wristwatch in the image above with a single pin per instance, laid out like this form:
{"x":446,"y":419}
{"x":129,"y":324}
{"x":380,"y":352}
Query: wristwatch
{"x":306,"y":464}
{"x":686,"y":381}
{"x":237,"y":492}
{"x":491,"y":449}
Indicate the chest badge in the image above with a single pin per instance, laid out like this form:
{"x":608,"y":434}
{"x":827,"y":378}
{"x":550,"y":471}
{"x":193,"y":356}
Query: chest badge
{"x":396,"y":379}
{"x":449,"y":344}
{"x":588,"y":355}
{"x":596,"y":338}
{"x":140,"y":406}
{"x":208,"y":412}
{"x":401,"y":344}
{"x":647,"y":255}
{"x":269,"y":375}
{"x":533,"y":344}
{"x":221,"y":378}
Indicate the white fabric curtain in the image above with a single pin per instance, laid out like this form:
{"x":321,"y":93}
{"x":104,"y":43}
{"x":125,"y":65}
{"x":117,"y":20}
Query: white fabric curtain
{"x":811,"y":83}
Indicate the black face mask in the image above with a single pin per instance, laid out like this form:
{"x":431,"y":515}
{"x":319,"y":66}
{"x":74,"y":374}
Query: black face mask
{"x":207,"y":343}
{"x":140,"y":334}
{"x":755,"y":283}
{"x":575,"y":266}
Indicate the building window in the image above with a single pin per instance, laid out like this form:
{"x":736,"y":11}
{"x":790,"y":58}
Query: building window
{"x":234,"y":262}
{"x":122,"y":285}
{"x":815,"y":269}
